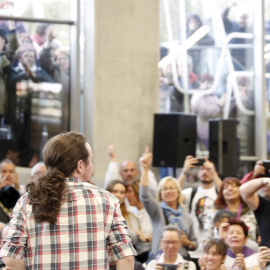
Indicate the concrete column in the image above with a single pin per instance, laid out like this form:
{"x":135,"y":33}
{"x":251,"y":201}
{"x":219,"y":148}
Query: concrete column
{"x":121,"y":86}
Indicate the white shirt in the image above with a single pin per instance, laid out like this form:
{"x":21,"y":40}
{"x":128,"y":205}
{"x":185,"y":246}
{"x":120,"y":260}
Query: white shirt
{"x":202,"y":204}
{"x":250,"y":261}
{"x":152,"y":264}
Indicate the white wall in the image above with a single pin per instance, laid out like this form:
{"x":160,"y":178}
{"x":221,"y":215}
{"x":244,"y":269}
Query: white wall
{"x":120,"y":77}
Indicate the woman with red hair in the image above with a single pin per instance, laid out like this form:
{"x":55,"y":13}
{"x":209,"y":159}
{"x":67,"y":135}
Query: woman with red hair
{"x":235,"y":234}
{"x":229,"y":199}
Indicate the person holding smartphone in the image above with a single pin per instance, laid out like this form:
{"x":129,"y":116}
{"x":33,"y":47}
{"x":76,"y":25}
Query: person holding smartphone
{"x":200,"y":200}
{"x":259,"y":170}
{"x":169,"y":258}
{"x":264,"y":258}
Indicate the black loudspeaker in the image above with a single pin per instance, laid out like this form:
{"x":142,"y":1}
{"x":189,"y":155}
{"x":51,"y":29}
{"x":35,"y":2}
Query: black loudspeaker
{"x":224,"y":148}
{"x":174,"y":138}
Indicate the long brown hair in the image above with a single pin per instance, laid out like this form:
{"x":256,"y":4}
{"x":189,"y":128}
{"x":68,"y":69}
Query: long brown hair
{"x":221,"y":246}
{"x":123,"y":208}
{"x":61,"y":155}
{"x":220,"y":200}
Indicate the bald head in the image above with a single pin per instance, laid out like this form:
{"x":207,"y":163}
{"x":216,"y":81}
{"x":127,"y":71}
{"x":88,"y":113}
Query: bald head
{"x":38,"y":170}
{"x":129,"y":170}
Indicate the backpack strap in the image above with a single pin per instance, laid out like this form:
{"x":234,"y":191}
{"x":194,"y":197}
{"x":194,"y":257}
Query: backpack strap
{"x":193,"y":192}
{"x":166,"y":219}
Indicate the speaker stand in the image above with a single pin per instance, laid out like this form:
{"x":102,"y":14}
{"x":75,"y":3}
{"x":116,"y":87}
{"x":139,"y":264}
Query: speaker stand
{"x":174,"y":172}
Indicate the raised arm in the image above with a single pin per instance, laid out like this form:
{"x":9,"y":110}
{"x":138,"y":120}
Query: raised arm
{"x":211,"y":167}
{"x":189,"y":163}
{"x":145,"y":162}
{"x":112,"y":172}
{"x":248,"y":191}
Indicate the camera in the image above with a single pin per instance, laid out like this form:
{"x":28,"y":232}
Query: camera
{"x":266,"y":165}
{"x":168,"y":266}
{"x":200,"y":162}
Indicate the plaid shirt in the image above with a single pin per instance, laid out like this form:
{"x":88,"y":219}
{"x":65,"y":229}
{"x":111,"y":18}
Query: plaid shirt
{"x":89,"y":223}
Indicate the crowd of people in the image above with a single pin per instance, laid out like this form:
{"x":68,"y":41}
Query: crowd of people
{"x":62,"y":220}
{"x":29,"y":62}
{"x":220,"y":224}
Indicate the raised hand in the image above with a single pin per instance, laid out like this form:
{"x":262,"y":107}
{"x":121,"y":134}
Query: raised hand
{"x":146,"y":158}
{"x":15,"y":181}
{"x":210,"y":166}
{"x":263,"y":256}
{"x":190,"y":162}
{"x":50,"y":35}
{"x":259,"y":169}
{"x":111,"y":153}
{"x":223,"y":230}
{"x":239,"y":261}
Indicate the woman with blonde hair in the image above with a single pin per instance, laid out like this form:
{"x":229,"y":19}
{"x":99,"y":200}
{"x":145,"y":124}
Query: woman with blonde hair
{"x":167,"y":208}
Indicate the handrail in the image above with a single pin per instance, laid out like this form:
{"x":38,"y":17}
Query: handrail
{"x":27,"y":19}
{"x":225,"y":51}
{"x":234,"y":86}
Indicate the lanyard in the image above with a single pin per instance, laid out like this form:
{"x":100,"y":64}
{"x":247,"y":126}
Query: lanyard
{"x":239,"y":210}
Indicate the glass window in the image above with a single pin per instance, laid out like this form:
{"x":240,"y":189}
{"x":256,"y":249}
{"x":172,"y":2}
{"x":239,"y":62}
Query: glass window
{"x":35,"y":87}
{"x":53,"y":9}
{"x":211,"y":73}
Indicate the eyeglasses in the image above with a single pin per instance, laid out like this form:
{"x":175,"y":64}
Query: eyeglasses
{"x":169,"y":188}
{"x":165,"y":242}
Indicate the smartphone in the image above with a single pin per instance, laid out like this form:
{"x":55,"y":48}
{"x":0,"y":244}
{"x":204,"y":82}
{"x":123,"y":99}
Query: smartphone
{"x":168,"y":266}
{"x":266,"y":164}
{"x":200,"y":162}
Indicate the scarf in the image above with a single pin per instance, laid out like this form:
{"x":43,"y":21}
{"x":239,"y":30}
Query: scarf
{"x":174,"y":216}
{"x":246,"y":251}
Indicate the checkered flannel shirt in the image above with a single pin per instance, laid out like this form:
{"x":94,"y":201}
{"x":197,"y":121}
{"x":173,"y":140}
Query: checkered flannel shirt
{"x":89,"y":223}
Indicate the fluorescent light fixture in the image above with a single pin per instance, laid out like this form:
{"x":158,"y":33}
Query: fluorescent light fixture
{"x":180,"y":49}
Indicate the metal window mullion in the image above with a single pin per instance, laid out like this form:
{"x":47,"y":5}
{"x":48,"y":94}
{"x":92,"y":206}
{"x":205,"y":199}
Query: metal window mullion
{"x":259,"y":81}
{"x":75,"y":89}
{"x":28,"y":19}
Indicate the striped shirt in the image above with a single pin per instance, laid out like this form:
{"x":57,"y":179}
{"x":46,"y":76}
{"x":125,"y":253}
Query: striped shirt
{"x":88,"y":224}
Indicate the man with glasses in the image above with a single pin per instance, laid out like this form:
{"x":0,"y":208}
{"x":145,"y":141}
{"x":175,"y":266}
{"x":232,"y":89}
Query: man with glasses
{"x":8,"y":176}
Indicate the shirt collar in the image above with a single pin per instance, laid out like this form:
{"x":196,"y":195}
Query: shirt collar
{"x":179,"y":259}
{"x":72,"y":179}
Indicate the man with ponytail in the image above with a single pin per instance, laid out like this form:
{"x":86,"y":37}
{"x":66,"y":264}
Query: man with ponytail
{"x":63,"y":222}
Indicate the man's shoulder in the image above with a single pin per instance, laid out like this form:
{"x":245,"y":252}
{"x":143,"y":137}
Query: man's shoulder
{"x":95,"y":191}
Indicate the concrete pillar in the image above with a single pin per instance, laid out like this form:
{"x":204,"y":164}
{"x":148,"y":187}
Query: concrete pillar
{"x":121,"y":86}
